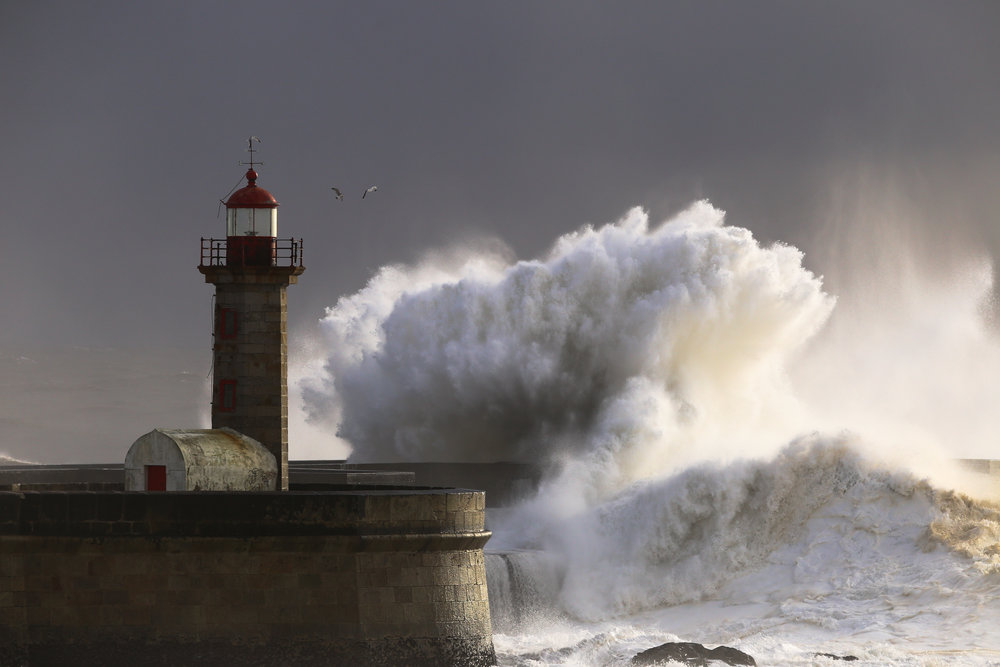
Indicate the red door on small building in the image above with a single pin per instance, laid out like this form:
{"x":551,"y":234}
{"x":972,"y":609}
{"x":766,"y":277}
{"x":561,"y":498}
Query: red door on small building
{"x":156,"y":478}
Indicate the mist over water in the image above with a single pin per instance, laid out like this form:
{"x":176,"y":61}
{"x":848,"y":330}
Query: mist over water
{"x":732,"y":456}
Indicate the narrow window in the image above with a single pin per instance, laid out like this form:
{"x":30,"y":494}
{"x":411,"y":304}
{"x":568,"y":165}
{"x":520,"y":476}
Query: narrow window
{"x":227,"y":395}
{"x":156,"y":478}
{"x":228,"y":323}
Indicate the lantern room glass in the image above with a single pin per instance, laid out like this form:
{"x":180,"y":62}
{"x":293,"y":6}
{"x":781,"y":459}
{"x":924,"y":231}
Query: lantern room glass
{"x":252,"y":222}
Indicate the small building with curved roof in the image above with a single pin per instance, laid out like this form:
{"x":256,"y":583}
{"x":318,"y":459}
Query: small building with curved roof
{"x":217,"y":459}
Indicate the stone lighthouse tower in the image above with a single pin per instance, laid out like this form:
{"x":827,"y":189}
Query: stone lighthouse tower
{"x":251,"y":269}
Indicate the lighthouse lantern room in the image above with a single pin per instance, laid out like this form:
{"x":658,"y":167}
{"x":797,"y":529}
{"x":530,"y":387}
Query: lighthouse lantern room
{"x":251,"y":224}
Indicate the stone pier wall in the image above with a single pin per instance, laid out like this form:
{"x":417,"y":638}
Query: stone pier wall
{"x":297,"y":578}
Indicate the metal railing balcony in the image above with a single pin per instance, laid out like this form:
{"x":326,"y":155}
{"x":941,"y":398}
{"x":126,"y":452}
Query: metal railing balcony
{"x":251,"y":251}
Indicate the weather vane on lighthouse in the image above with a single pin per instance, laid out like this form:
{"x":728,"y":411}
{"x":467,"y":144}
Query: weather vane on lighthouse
{"x":250,"y":149}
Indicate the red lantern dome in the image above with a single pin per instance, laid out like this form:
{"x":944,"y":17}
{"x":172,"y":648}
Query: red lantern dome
{"x":252,"y":210}
{"x":251,"y":196}
{"x":251,"y":224}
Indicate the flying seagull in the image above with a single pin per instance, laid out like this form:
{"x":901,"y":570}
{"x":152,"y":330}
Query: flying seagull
{"x":371,"y":189}
{"x":340,"y":195}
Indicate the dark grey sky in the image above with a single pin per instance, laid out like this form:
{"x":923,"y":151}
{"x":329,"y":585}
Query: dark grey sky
{"x":122,"y":124}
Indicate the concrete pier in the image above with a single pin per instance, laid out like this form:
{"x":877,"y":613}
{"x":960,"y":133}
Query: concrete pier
{"x":374,"y":577}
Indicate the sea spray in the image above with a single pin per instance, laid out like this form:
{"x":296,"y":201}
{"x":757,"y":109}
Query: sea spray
{"x":623,"y":345}
{"x":910,"y":363}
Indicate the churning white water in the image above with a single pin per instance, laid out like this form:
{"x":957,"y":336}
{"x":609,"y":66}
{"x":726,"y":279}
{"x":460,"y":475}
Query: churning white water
{"x":680,"y":386}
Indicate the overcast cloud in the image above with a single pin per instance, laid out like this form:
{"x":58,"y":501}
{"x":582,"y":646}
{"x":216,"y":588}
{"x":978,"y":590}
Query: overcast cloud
{"x":122,"y":124}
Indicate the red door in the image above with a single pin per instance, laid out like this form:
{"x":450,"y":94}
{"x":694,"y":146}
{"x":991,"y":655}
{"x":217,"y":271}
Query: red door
{"x":156,"y":478}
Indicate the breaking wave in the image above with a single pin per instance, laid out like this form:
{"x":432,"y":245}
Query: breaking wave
{"x":622,"y":343}
{"x":819,"y":519}
{"x":816,"y":550}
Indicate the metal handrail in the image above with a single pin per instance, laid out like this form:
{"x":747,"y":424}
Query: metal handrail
{"x":287,"y":252}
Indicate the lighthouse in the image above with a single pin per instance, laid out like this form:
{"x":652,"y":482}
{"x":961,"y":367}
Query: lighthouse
{"x":251,"y":269}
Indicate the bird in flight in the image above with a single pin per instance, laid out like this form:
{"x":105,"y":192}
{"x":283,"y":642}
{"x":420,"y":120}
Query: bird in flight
{"x":371,"y":189}
{"x":340,"y":195}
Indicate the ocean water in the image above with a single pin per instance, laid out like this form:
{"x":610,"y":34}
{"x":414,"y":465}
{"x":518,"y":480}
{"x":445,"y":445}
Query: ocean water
{"x":733,"y":456}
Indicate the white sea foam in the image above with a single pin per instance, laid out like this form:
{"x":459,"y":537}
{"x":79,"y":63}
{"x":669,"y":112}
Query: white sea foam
{"x":815,"y":550}
{"x":661,"y":374}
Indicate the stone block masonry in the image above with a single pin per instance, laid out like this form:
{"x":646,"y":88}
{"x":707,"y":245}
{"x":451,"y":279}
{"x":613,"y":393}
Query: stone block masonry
{"x":250,"y":354}
{"x":389,"y":577}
